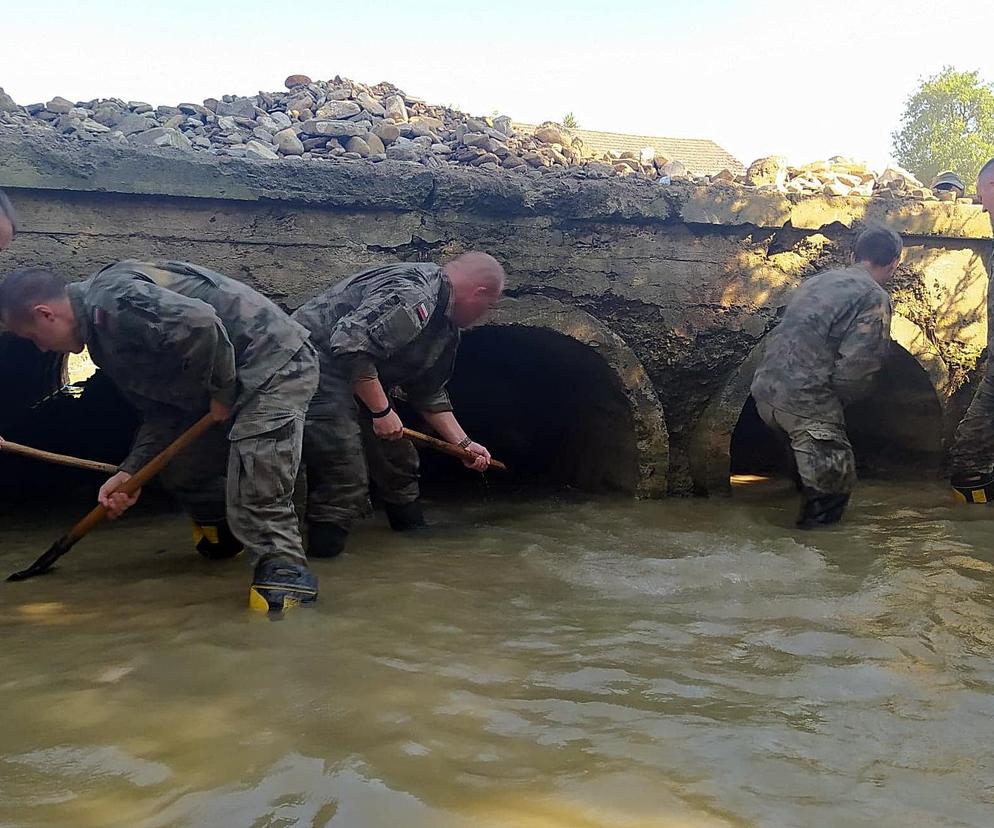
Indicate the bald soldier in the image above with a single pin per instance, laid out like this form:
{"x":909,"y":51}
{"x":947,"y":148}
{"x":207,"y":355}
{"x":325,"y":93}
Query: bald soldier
{"x":8,"y":221}
{"x":179,"y":340}
{"x":971,"y":458}
{"x":823,"y":355}
{"x":389,"y":329}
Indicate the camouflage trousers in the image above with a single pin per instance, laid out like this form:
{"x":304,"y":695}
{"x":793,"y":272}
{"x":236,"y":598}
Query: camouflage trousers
{"x":342,"y":454}
{"x":248,"y":476}
{"x":824,"y":456}
{"x":972,"y":451}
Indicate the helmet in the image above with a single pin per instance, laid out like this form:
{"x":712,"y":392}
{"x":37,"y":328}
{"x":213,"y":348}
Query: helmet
{"x":948,"y":180}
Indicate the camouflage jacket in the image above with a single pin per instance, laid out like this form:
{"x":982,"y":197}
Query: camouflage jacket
{"x":831,"y":342}
{"x":173,"y":336}
{"x":391,"y":322}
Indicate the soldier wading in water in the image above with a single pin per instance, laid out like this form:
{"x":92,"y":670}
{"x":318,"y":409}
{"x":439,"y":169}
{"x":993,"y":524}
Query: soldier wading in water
{"x":823,"y":355}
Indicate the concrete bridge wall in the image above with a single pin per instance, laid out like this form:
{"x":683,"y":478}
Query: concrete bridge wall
{"x":652,"y":300}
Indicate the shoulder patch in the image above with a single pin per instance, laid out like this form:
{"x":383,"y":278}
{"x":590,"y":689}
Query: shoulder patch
{"x":99,"y":317}
{"x":422,"y":310}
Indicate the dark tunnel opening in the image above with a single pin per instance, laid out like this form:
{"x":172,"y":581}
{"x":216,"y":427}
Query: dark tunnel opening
{"x":545,"y":404}
{"x":91,"y":420}
{"x":896,"y":431}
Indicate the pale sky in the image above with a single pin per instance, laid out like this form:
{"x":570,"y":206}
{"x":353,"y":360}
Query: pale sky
{"x":804,"y":79}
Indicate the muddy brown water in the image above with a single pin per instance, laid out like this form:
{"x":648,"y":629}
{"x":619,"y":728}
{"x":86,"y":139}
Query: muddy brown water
{"x":680,"y":664}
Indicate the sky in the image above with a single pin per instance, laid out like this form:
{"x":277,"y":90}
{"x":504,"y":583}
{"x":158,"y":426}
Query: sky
{"x":803,"y":79}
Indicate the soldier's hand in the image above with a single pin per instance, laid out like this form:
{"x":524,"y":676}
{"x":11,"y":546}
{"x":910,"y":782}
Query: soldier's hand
{"x":117,"y":503}
{"x":389,"y":427}
{"x":482,"y":460}
{"x":219,"y":411}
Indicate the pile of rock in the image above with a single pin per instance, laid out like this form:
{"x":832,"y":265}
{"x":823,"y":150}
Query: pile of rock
{"x":342,"y":119}
{"x":839,"y":177}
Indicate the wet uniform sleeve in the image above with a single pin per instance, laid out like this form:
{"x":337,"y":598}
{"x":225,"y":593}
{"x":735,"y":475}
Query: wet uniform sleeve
{"x":389,"y":317}
{"x":184,"y":333}
{"x":863,"y":348}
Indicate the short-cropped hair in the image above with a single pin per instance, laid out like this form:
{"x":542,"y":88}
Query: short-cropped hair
{"x":22,"y":289}
{"x":877,"y":245}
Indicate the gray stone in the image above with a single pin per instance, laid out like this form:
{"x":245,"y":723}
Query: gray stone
{"x":386,"y":131}
{"x":227,"y":123}
{"x":477,"y":139}
{"x":503,"y":124}
{"x":357,"y":145}
{"x":257,"y":149}
{"x":338,"y":94}
{"x":131,"y":124}
{"x":338,"y":110}
{"x":288,"y":143}
{"x":7,"y":103}
{"x":59,"y":105}
{"x":333,"y":129}
{"x":403,"y":152}
{"x":440,"y":149}
{"x":316,"y":143}
{"x":94,"y":126}
{"x":375,"y":144}
{"x":107,"y":115}
{"x":167,"y":111}
{"x":202,"y":142}
{"x":263,"y":135}
{"x":281,"y":119}
{"x":674,"y":169}
{"x":395,"y":108}
{"x":268,"y":124}
{"x":550,"y":135}
{"x":371,"y":105}
{"x":241,"y":107}
{"x":162,"y":137}
{"x":175,"y":122}
{"x":139,"y":107}
{"x":194,"y":109}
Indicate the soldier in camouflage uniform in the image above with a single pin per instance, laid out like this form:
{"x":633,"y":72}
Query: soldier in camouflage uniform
{"x":389,"y":329}
{"x":179,"y":339}
{"x":972,"y":455}
{"x":822,"y":356}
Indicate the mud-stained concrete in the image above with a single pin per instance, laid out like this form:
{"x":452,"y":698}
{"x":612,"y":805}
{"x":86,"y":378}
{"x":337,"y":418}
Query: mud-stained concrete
{"x":678,"y":283}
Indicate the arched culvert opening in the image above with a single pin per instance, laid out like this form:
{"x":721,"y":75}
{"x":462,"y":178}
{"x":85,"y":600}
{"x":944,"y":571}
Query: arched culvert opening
{"x":560,"y":399}
{"x":93,"y":422}
{"x":898,"y":431}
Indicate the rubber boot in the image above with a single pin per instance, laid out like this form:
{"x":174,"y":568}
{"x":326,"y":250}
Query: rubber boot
{"x":281,"y":584}
{"x":406,"y":517}
{"x":325,"y":540}
{"x":214,"y":540}
{"x":973,"y":488}
{"x":821,"y":509}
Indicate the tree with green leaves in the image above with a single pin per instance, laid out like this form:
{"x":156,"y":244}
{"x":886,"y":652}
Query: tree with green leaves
{"x":569,"y":121}
{"x":948,"y":124}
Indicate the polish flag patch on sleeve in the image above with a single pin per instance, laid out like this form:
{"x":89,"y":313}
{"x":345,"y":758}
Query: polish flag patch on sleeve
{"x":422,"y":310}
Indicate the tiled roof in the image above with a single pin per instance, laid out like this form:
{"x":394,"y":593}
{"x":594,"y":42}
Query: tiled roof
{"x":699,"y":155}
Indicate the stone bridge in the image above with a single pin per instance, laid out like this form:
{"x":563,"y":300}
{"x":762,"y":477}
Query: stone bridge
{"x":620,"y":359}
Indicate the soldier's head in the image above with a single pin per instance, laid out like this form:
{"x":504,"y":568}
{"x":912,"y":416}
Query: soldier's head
{"x":8,"y":221}
{"x":34,"y":305}
{"x":985,"y":187}
{"x":948,"y":180}
{"x":878,"y":249}
{"x":477,"y":282}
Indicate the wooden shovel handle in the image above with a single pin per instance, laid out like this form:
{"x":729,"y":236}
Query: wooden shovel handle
{"x":58,"y":459}
{"x":448,"y":448}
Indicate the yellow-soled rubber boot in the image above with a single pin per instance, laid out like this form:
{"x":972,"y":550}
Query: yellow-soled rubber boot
{"x":280,"y":584}
{"x":214,"y":541}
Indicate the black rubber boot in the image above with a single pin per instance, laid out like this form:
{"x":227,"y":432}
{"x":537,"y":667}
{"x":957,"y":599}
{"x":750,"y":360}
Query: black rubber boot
{"x":821,"y":509}
{"x":214,"y":540}
{"x":406,"y":517}
{"x":280,"y":584}
{"x":325,"y":540}
{"x":973,"y":488}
